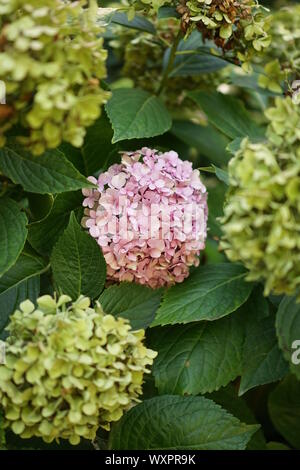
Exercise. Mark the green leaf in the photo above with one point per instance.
(284, 409)
(212, 254)
(216, 198)
(135, 113)
(13, 232)
(272, 445)
(167, 12)
(74, 155)
(97, 145)
(288, 332)
(133, 301)
(206, 139)
(204, 356)
(222, 175)
(181, 423)
(227, 113)
(2, 433)
(77, 262)
(20, 282)
(194, 57)
(43, 235)
(11, 299)
(234, 145)
(187, 65)
(139, 22)
(263, 361)
(211, 292)
(48, 173)
(40, 205)
(227, 397)
(197, 357)
(26, 267)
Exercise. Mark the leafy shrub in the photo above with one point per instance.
(149, 224)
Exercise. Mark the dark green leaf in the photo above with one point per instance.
(11, 299)
(25, 268)
(197, 357)
(135, 113)
(48, 173)
(2, 434)
(234, 145)
(194, 57)
(222, 175)
(13, 232)
(288, 332)
(263, 361)
(139, 22)
(216, 197)
(272, 445)
(206, 139)
(40, 205)
(74, 155)
(284, 409)
(167, 12)
(227, 397)
(171, 422)
(194, 63)
(43, 235)
(77, 262)
(211, 292)
(133, 301)
(97, 145)
(227, 113)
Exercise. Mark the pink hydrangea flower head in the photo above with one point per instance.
(149, 216)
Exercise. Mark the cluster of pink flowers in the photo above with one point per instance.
(149, 216)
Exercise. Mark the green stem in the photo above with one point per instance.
(169, 67)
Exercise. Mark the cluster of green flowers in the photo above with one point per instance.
(239, 26)
(261, 220)
(283, 55)
(69, 369)
(51, 60)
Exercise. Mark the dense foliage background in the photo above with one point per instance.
(225, 376)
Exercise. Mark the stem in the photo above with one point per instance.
(169, 67)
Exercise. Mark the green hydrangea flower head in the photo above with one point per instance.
(284, 127)
(283, 56)
(51, 61)
(261, 222)
(70, 368)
